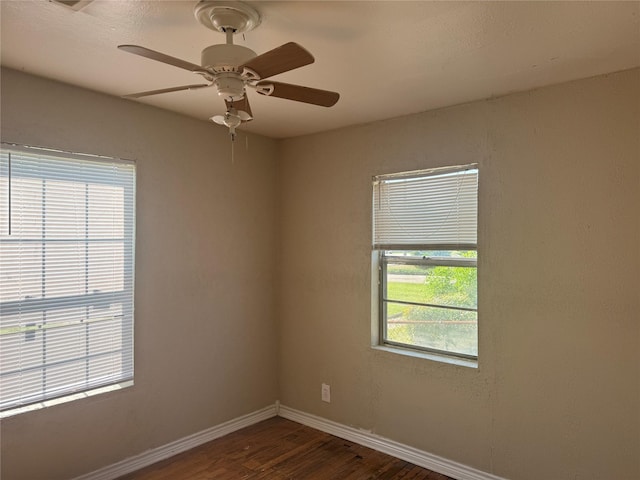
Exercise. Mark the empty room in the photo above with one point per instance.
(319, 240)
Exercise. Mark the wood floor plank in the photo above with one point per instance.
(279, 449)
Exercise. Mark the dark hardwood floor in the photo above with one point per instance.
(279, 449)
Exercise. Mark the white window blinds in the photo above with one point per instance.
(67, 273)
(434, 209)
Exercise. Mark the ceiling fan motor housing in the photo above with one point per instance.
(225, 60)
(226, 57)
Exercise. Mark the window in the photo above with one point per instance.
(425, 240)
(66, 274)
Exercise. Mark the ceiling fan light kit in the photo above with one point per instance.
(232, 68)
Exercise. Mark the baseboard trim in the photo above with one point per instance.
(361, 437)
(154, 455)
(381, 444)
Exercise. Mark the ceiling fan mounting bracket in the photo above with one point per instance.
(265, 89)
(250, 75)
(220, 16)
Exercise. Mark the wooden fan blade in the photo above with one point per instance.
(324, 98)
(241, 106)
(165, 90)
(161, 57)
(282, 59)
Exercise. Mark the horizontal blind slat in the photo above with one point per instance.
(436, 209)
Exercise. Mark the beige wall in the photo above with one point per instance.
(557, 394)
(205, 338)
(557, 391)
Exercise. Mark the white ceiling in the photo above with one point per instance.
(385, 58)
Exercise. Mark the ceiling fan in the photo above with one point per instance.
(231, 68)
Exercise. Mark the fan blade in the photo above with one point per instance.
(324, 98)
(241, 106)
(282, 59)
(165, 90)
(161, 57)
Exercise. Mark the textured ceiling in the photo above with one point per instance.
(386, 58)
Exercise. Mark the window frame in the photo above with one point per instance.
(465, 262)
(408, 242)
(92, 383)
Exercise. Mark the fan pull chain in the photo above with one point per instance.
(233, 142)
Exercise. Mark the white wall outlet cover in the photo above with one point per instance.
(326, 393)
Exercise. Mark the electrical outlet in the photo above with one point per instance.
(326, 393)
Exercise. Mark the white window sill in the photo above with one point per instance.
(65, 399)
(461, 362)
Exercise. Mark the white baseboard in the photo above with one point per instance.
(361, 437)
(381, 444)
(170, 449)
